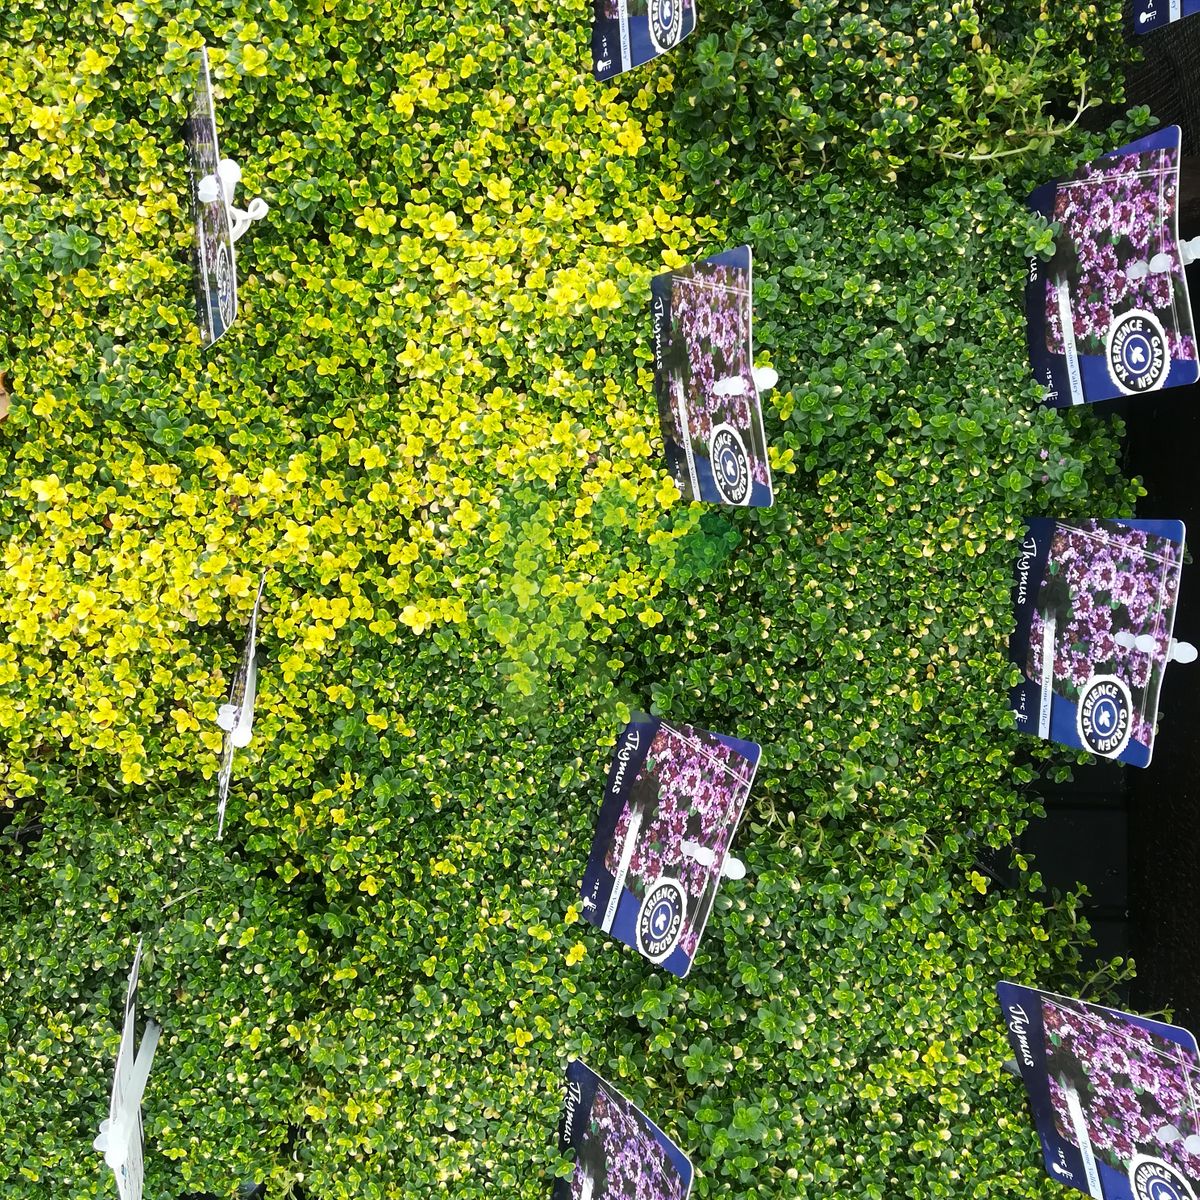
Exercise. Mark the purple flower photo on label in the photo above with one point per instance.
(704, 381)
(1111, 592)
(619, 1153)
(1137, 1091)
(710, 320)
(621, 1158)
(1117, 231)
(690, 792)
(215, 280)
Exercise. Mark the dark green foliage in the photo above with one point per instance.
(882, 88)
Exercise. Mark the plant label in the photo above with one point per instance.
(672, 803)
(1095, 612)
(627, 33)
(120, 1136)
(1154, 14)
(215, 262)
(706, 384)
(1114, 1096)
(236, 716)
(619, 1152)
(1109, 315)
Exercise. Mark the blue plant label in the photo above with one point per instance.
(1154, 14)
(708, 401)
(1095, 608)
(1109, 315)
(1114, 1096)
(672, 803)
(627, 33)
(620, 1154)
(215, 275)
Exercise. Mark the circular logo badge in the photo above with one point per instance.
(1137, 354)
(225, 286)
(660, 919)
(1153, 1179)
(1103, 719)
(666, 23)
(730, 464)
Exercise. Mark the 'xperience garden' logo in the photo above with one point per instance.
(1153, 1179)
(1137, 353)
(1104, 718)
(666, 23)
(660, 919)
(730, 465)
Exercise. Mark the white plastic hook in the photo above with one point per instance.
(1163, 263)
(212, 187)
(1145, 643)
(115, 1139)
(237, 720)
(731, 385)
(765, 378)
(706, 856)
(733, 868)
(1170, 1134)
(1181, 652)
(120, 1136)
(243, 218)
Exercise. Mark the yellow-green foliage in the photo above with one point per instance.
(425, 418)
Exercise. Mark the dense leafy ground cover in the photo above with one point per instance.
(433, 424)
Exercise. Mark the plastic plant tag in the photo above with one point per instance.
(705, 382)
(620, 1154)
(215, 261)
(1114, 1096)
(120, 1136)
(1095, 610)
(1154, 14)
(672, 803)
(627, 33)
(236, 717)
(1110, 315)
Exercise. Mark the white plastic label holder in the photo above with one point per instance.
(223, 186)
(1160, 264)
(731, 868)
(1181, 652)
(765, 378)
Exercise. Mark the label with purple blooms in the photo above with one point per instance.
(1115, 1097)
(1109, 315)
(1154, 14)
(619, 1152)
(708, 402)
(672, 803)
(215, 278)
(1095, 613)
(627, 33)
